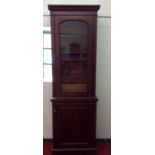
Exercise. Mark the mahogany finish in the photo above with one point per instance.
(74, 75)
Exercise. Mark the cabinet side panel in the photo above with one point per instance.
(93, 34)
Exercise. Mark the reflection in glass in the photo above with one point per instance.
(73, 56)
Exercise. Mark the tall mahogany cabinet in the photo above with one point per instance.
(73, 29)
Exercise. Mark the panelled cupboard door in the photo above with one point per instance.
(73, 55)
(74, 125)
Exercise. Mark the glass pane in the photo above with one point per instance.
(47, 40)
(73, 56)
(47, 73)
(47, 56)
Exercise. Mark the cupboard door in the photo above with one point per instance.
(72, 54)
(74, 125)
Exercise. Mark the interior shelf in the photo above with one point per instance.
(73, 53)
(72, 59)
(78, 35)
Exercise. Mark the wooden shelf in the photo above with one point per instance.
(73, 35)
(73, 53)
(72, 59)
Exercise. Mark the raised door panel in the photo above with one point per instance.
(74, 125)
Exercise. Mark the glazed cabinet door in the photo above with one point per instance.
(72, 55)
(74, 125)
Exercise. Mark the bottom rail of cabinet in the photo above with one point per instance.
(75, 151)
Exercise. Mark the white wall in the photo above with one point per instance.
(103, 76)
(47, 110)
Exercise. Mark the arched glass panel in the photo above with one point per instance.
(73, 56)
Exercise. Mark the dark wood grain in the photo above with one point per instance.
(91, 20)
(73, 8)
(74, 112)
